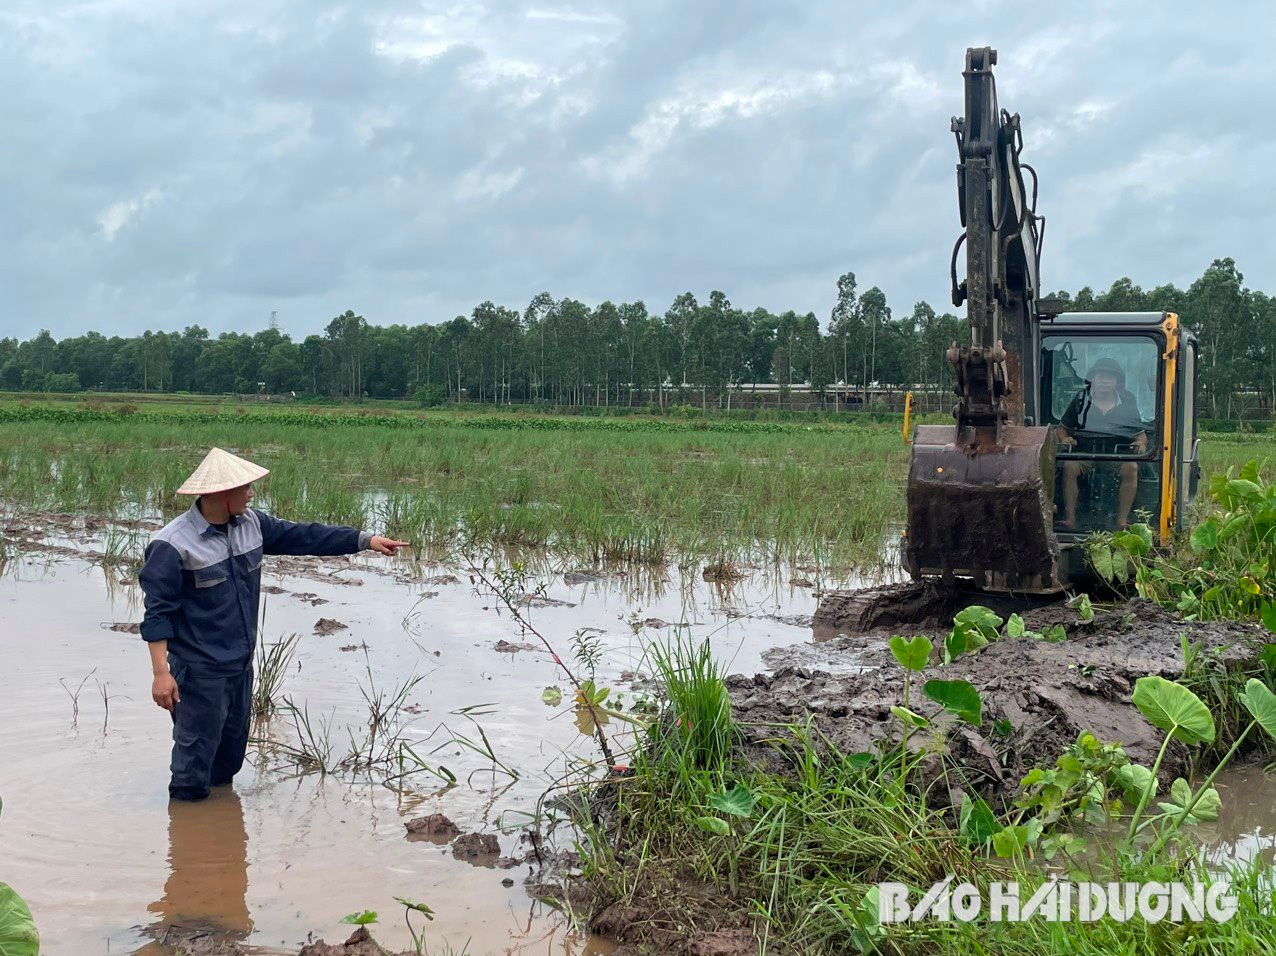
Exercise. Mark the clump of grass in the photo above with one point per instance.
(271, 662)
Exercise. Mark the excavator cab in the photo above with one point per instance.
(1118, 389)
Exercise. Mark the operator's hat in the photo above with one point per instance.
(221, 471)
(1110, 366)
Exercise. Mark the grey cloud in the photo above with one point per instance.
(412, 159)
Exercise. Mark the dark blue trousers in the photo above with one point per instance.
(210, 728)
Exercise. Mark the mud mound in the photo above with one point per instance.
(1047, 692)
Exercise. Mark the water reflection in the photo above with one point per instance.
(206, 891)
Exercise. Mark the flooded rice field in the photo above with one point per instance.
(107, 865)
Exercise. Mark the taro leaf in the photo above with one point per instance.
(913, 654)
(737, 801)
(419, 907)
(713, 825)
(1206, 809)
(1205, 535)
(552, 696)
(1232, 526)
(978, 825)
(958, 697)
(1085, 610)
(955, 645)
(868, 919)
(1131, 544)
(1269, 615)
(18, 935)
(1003, 727)
(1174, 709)
(1100, 556)
(1249, 585)
(1015, 626)
(1261, 704)
(1133, 778)
(360, 919)
(1010, 841)
(1249, 470)
(861, 760)
(980, 618)
(1245, 489)
(908, 717)
(1268, 657)
(1055, 634)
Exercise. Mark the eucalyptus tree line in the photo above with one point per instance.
(566, 351)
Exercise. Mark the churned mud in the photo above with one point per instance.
(1045, 693)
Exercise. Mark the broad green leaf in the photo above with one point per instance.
(1174, 709)
(1015, 626)
(1268, 657)
(1269, 615)
(958, 697)
(737, 801)
(552, 696)
(1249, 585)
(1131, 543)
(1244, 489)
(1055, 634)
(977, 821)
(1010, 841)
(1205, 536)
(955, 645)
(868, 919)
(419, 907)
(913, 654)
(908, 717)
(861, 760)
(1206, 809)
(1085, 610)
(18, 935)
(713, 825)
(365, 918)
(1134, 778)
(982, 619)
(1232, 526)
(1261, 704)
(1249, 470)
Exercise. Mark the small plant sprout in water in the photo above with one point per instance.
(75, 695)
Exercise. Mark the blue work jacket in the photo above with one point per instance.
(202, 585)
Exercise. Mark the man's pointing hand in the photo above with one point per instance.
(386, 545)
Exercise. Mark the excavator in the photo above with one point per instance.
(1066, 423)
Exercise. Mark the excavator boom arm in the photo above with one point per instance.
(980, 491)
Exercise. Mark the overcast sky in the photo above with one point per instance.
(172, 162)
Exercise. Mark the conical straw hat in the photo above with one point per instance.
(221, 471)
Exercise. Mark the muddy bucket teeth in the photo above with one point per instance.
(986, 515)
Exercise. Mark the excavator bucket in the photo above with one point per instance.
(983, 510)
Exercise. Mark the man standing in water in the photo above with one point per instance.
(202, 581)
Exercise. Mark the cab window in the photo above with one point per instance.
(1102, 391)
(1099, 393)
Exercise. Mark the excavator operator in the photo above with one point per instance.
(1102, 415)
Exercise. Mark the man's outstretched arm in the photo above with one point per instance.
(290, 537)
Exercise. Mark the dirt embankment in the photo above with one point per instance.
(1040, 695)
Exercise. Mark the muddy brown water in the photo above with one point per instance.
(88, 836)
